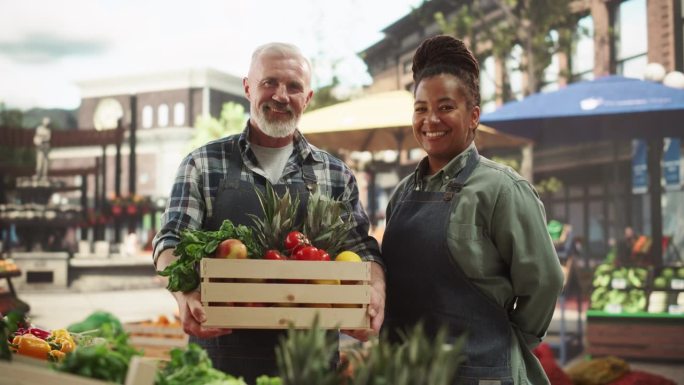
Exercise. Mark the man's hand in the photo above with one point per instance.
(190, 309)
(376, 309)
(192, 316)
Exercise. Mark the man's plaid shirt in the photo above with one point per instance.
(200, 173)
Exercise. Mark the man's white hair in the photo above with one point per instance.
(282, 49)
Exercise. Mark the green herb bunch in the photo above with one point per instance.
(197, 244)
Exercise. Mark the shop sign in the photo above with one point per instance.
(639, 166)
(671, 163)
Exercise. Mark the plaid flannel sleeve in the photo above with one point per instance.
(185, 209)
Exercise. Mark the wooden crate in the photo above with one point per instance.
(155, 340)
(28, 371)
(265, 294)
(645, 337)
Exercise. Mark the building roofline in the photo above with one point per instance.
(161, 81)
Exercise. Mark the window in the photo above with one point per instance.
(582, 59)
(631, 38)
(488, 84)
(515, 75)
(163, 115)
(179, 114)
(147, 116)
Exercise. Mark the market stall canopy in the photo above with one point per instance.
(380, 121)
(608, 108)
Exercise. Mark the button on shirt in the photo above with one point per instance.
(497, 235)
(200, 173)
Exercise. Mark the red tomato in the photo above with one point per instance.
(274, 255)
(296, 249)
(294, 239)
(323, 255)
(307, 253)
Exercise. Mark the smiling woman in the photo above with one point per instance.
(483, 242)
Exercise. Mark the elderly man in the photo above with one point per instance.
(216, 182)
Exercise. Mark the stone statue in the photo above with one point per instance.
(42, 141)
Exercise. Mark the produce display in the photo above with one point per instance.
(638, 289)
(619, 289)
(8, 266)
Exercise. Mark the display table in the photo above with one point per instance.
(637, 335)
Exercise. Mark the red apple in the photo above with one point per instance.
(231, 249)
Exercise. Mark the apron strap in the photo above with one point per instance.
(234, 166)
(456, 185)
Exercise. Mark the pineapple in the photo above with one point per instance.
(304, 356)
(324, 225)
(279, 219)
(418, 360)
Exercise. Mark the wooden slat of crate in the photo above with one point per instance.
(281, 317)
(285, 293)
(265, 269)
(19, 371)
(638, 339)
(288, 300)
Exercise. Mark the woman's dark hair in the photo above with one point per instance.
(447, 55)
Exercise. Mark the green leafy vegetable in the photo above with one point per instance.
(197, 244)
(107, 360)
(192, 366)
(8, 325)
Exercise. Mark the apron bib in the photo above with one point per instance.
(424, 283)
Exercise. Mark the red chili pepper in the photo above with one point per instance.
(40, 333)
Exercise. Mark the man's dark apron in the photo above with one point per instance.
(425, 284)
(247, 353)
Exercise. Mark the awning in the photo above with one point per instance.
(380, 121)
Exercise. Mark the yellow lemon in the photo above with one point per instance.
(348, 256)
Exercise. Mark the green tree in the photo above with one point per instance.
(10, 117)
(208, 128)
(496, 28)
(325, 96)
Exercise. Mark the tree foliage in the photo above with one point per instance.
(208, 128)
(541, 27)
(326, 96)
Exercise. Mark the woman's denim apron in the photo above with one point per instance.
(247, 353)
(425, 283)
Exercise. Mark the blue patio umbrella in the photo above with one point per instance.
(608, 108)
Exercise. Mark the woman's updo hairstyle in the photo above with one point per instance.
(447, 55)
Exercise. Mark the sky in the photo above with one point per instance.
(47, 46)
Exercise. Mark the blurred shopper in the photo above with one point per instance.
(216, 182)
(466, 243)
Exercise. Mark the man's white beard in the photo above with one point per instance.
(276, 129)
